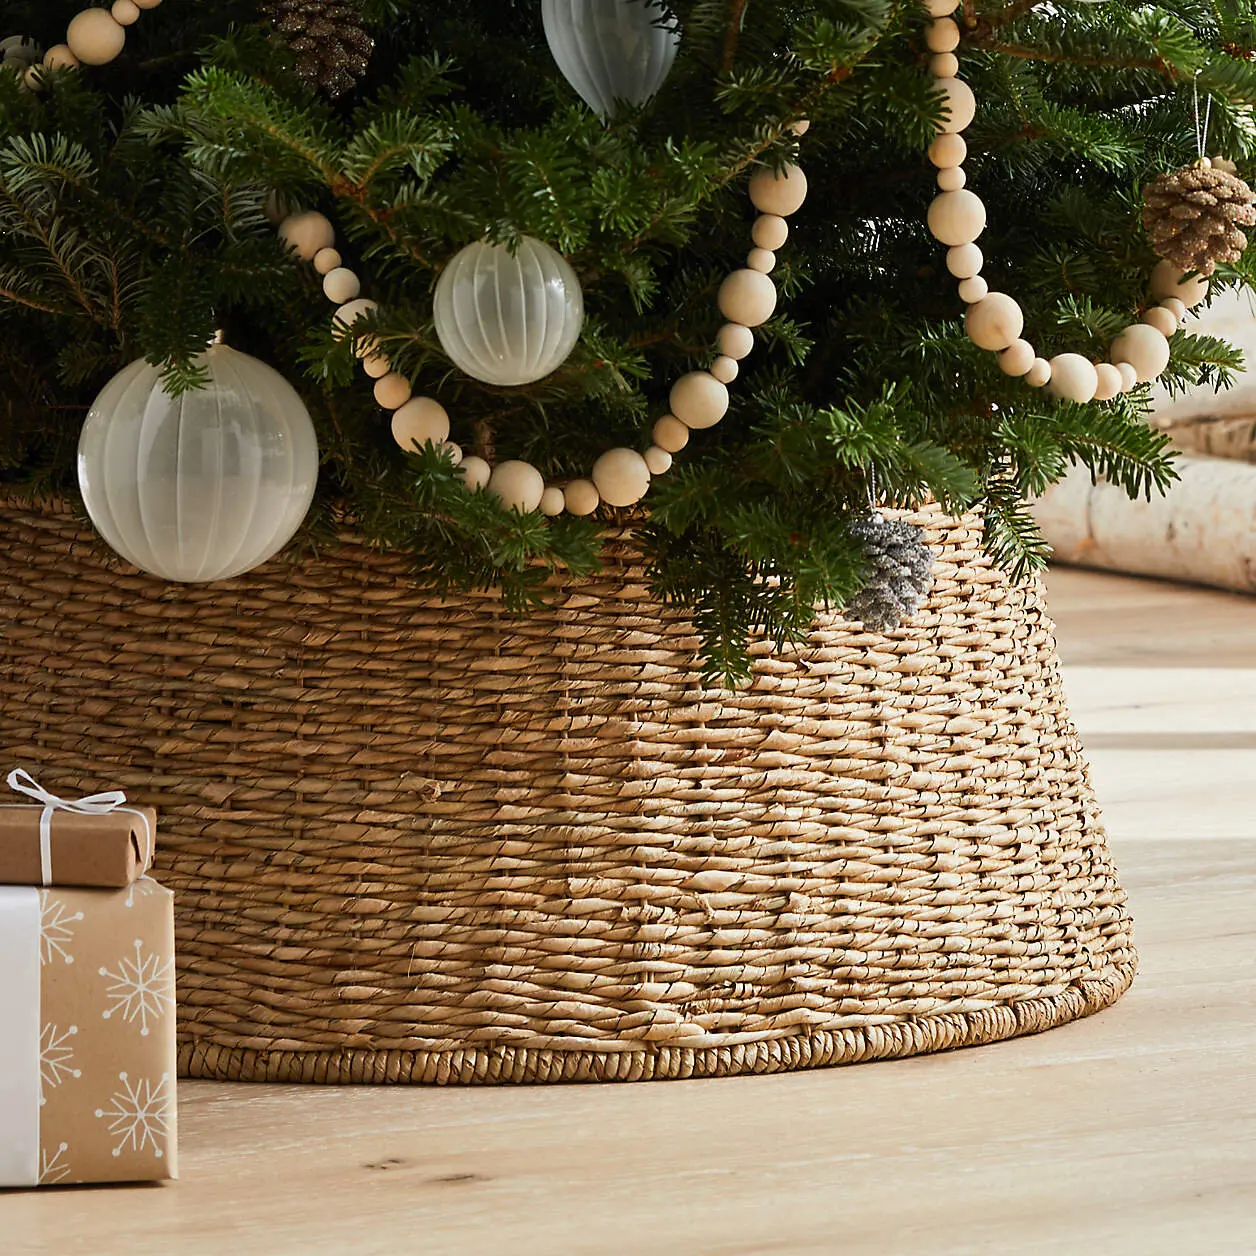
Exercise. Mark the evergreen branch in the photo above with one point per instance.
(732, 34)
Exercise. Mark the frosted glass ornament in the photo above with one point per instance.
(203, 486)
(611, 51)
(508, 318)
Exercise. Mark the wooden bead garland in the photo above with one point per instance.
(957, 217)
(94, 37)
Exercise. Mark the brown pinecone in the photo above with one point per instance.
(331, 47)
(1194, 216)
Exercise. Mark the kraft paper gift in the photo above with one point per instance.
(93, 841)
(87, 1052)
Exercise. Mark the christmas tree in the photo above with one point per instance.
(139, 196)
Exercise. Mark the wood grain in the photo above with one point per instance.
(1131, 1133)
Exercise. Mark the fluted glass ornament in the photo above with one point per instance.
(611, 51)
(203, 486)
(509, 318)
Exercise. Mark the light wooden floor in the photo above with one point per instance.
(1131, 1134)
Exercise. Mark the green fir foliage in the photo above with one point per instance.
(134, 221)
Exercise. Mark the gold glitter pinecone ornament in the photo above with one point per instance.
(1194, 216)
(331, 46)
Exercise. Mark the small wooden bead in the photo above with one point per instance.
(1110, 384)
(1073, 378)
(725, 369)
(581, 497)
(994, 322)
(762, 260)
(125, 12)
(307, 234)
(1168, 281)
(326, 260)
(553, 502)
(770, 231)
(1175, 307)
(941, 8)
(519, 486)
(952, 178)
(671, 434)
(735, 341)
(1018, 358)
(94, 37)
(957, 217)
(1038, 375)
(944, 65)
(451, 451)
(748, 297)
(782, 193)
(1144, 348)
(964, 261)
(800, 126)
(475, 472)
(60, 57)
(959, 107)
(148, 4)
(420, 420)
(1162, 320)
(948, 150)
(622, 477)
(1129, 376)
(376, 366)
(942, 35)
(341, 285)
(658, 460)
(392, 391)
(973, 290)
(698, 400)
(34, 77)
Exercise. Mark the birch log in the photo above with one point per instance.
(1203, 532)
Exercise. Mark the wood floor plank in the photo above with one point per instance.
(1130, 1134)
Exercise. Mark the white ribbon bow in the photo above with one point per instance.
(93, 805)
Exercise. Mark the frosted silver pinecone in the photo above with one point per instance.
(900, 573)
(327, 38)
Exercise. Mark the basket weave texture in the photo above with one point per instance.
(420, 841)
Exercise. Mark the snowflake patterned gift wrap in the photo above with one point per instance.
(87, 1045)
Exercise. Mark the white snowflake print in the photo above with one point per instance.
(56, 1058)
(140, 989)
(138, 1116)
(56, 929)
(54, 1168)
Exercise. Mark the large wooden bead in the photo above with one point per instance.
(60, 57)
(965, 261)
(581, 497)
(307, 234)
(948, 150)
(420, 420)
(770, 231)
(960, 106)
(994, 322)
(392, 391)
(747, 297)
(517, 485)
(671, 434)
(1164, 321)
(942, 35)
(1144, 348)
(341, 285)
(552, 502)
(781, 194)
(94, 37)
(348, 314)
(1168, 281)
(698, 400)
(621, 476)
(1110, 381)
(475, 472)
(1073, 378)
(735, 341)
(941, 8)
(1017, 358)
(957, 217)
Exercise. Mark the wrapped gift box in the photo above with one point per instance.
(87, 1052)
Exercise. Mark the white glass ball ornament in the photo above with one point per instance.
(517, 485)
(203, 486)
(621, 477)
(611, 51)
(508, 318)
